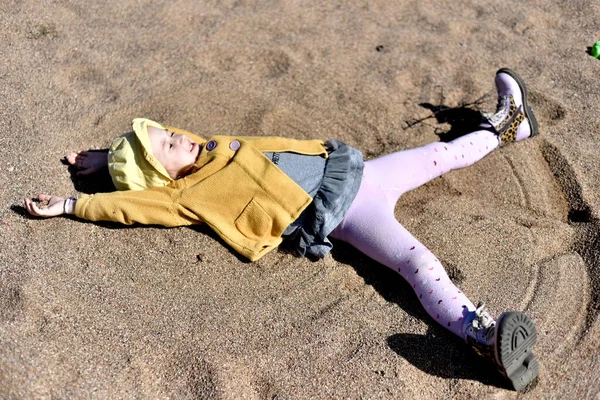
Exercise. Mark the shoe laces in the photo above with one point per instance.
(482, 320)
(502, 108)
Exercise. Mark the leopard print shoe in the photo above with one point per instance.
(513, 120)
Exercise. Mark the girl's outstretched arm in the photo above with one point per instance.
(154, 206)
(56, 206)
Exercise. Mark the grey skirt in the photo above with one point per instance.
(307, 236)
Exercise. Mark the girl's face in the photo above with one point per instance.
(176, 152)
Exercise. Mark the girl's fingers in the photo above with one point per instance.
(71, 158)
(29, 205)
(40, 211)
(85, 171)
(26, 201)
(36, 210)
(54, 207)
(77, 159)
(29, 209)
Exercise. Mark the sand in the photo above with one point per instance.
(102, 311)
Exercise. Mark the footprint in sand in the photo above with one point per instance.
(547, 109)
(11, 302)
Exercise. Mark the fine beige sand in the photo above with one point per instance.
(104, 311)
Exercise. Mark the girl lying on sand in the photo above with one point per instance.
(257, 191)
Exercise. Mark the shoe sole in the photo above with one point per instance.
(516, 337)
(533, 125)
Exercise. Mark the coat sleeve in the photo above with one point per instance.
(156, 206)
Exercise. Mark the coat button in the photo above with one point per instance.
(211, 145)
(234, 145)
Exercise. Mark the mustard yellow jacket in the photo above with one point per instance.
(236, 190)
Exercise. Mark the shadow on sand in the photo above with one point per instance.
(438, 352)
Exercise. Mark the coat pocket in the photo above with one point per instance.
(254, 222)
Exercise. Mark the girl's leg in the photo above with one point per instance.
(374, 230)
(399, 172)
(371, 227)
(514, 120)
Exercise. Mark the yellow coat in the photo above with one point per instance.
(236, 190)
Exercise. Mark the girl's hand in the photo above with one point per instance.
(88, 162)
(55, 206)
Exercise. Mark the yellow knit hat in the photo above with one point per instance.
(131, 163)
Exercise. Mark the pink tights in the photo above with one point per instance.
(371, 227)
